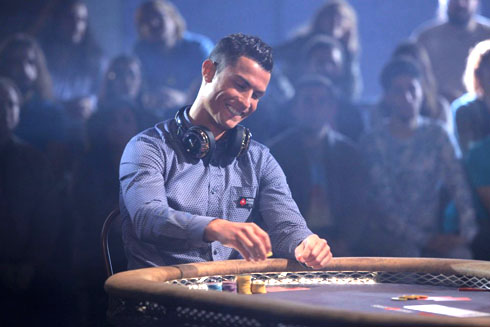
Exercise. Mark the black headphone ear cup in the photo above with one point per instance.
(198, 141)
(238, 141)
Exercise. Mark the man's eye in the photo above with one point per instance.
(240, 86)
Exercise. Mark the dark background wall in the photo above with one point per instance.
(382, 24)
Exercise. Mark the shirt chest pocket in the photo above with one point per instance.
(242, 201)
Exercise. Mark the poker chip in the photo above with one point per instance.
(244, 284)
(410, 297)
(215, 286)
(258, 287)
(229, 286)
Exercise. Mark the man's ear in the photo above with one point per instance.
(208, 70)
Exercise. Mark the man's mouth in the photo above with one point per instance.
(233, 111)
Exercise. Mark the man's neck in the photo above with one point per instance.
(402, 129)
(468, 26)
(198, 115)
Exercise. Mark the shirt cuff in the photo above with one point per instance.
(295, 241)
(195, 230)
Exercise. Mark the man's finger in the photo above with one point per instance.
(246, 244)
(299, 251)
(318, 247)
(315, 261)
(323, 252)
(306, 250)
(258, 248)
(265, 240)
(324, 262)
(243, 251)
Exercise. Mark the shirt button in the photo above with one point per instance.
(215, 252)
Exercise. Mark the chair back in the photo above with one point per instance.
(111, 220)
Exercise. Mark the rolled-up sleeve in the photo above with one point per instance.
(143, 192)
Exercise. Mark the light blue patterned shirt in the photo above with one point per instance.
(406, 180)
(167, 199)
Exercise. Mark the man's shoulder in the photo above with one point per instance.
(257, 148)
(470, 108)
(198, 40)
(160, 134)
(429, 29)
(483, 23)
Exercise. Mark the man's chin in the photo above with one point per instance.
(459, 20)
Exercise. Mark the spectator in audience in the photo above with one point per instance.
(322, 167)
(21, 16)
(29, 218)
(337, 19)
(409, 158)
(324, 55)
(472, 110)
(434, 106)
(123, 81)
(96, 193)
(22, 60)
(74, 58)
(448, 41)
(171, 57)
(478, 168)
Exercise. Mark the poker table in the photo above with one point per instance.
(349, 292)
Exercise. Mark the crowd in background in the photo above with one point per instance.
(408, 175)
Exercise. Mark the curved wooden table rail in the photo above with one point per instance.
(149, 284)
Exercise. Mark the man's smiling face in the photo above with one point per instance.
(232, 94)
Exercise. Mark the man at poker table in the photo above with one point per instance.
(198, 188)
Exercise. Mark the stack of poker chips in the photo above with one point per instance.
(258, 287)
(244, 284)
(229, 286)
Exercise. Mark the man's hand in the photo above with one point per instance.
(313, 252)
(247, 238)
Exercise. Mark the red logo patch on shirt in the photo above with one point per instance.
(245, 202)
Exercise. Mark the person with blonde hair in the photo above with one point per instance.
(448, 39)
(473, 116)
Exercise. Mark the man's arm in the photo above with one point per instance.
(287, 228)
(144, 196)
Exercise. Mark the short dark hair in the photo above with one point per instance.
(321, 42)
(397, 67)
(310, 80)
(234, 46)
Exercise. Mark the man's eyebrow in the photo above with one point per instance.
(259, 93)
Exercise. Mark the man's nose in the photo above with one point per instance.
(246, 99)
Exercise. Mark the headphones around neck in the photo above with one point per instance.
(199, 142)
